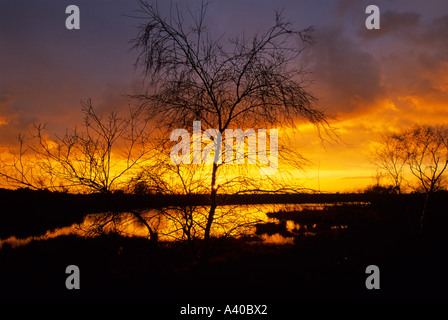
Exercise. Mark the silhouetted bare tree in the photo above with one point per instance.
(96, 158)
(391, 159)
(427, 154)
(255, 82)
(19, 167)
(424, 151)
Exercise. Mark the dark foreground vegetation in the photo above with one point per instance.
(330, 263)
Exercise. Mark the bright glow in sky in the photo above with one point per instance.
(371, 81)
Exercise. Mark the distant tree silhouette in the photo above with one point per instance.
(390, 159)
(427, 154)
(95, 157)
(424, 151)
(255, 82)
(19, 167)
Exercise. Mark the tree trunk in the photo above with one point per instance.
(213, 203)
(425, 205)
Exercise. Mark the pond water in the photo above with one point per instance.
(177, 224)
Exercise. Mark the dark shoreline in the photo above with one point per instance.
(32, 213)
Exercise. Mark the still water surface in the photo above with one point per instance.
(233, 220)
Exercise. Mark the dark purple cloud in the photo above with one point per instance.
(347, 77)
(45, 69)
(392, 22)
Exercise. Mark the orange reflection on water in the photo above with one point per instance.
(17, 242)
(277, 239)
(231, 220)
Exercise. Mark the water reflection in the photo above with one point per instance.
(16, 242)
(186, 223)
(277, 239)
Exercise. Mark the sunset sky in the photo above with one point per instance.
(370, 81)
